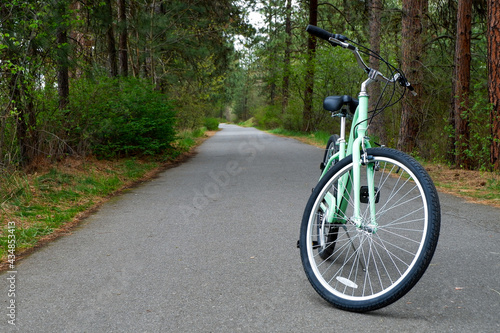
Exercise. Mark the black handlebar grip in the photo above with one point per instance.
(318, 32)
(323, 34)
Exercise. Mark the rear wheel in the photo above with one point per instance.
(327, 234)
(360, 268)
(331, 149)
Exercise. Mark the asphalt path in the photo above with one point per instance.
(210, 246)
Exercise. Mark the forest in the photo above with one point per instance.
(113, 78)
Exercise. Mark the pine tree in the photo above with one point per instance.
(462, 82)
(311, 51)
(494, 78)
(413, 23)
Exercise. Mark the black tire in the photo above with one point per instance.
(328, 234)
(331, 148)
(370, 269)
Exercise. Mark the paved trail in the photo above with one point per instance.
(209, 246)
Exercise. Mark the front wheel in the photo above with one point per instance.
(366, 269)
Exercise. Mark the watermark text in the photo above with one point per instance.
(11, 274)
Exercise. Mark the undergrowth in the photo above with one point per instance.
(317, 138)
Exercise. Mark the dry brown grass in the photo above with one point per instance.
(474, 186)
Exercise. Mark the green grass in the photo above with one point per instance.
(318, 138)
(493, 187)
(248, 123)
(188, 138)
(42, 202)
(494, 184)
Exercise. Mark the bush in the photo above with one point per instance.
(268, 116)
(125, 117)
(212, 124)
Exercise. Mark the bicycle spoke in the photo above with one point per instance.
(365, 264)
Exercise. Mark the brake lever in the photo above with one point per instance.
(412, 90)
(333, 43)
(403, 82)
(341, 42)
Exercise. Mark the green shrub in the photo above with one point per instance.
(212, 124)
(292, 119)
(269, 116)
(124, 117)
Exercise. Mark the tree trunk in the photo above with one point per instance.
(26, 130)
(63, 73)
(272, 49)
(414, 12)
(122, 43)
(494, 79)
(62, 59)
(462, 82)
(110, 34)
(311, 50)
(286, 61)
(377, 125)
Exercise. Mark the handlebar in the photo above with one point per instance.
(323, 34)
(334, 39)
(341, 40)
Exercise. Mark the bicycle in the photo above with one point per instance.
(371, 224)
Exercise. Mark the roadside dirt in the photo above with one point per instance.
(474, 186)
(74, 166)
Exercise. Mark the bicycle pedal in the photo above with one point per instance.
(364, 195)
(298, 244)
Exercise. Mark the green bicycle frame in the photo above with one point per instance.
(356, 146)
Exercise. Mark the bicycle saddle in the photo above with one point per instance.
(335, 103)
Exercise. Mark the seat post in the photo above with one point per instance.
(343, 116)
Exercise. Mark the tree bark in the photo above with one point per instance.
(123, 41)
(311, 50)
(63, 71)
(414, 12)
(272, 49)
(26, 130)
(462, 82)
(494, 79)
(377, 125)
(62, 58)
(286, 61)
(110, 34)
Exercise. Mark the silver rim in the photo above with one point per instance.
(369, 265)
